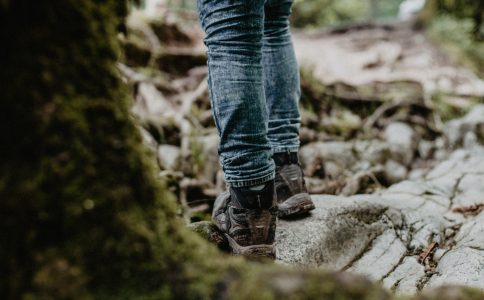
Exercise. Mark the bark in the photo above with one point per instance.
(82, 215)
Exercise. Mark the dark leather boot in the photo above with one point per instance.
(248, 219)
(292, 196)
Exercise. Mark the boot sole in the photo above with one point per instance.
(303, 205)
(262, 250)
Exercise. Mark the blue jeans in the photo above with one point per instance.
(253, 84)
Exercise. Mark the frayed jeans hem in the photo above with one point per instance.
(251, 182)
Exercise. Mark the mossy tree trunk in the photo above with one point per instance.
(81, 211)
(82, 215)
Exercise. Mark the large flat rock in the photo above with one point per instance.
(412, 236)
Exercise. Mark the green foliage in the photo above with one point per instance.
(388, 8)
(317, 13)
(456, 36)
(460, 9)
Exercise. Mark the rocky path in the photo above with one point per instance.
(414, 235)
(419, 233)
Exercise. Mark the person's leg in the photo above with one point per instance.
(234, 31)
(282, 90)
(281, 78)
(247, 212)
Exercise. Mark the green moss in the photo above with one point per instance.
(77, 189)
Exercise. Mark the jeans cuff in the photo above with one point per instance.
(285, 149)
(251, 182)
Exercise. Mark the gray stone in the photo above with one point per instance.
(461, 266)
(209, 156)
(466, 130)
(403, 141)
(438, 254)
(394, 172)
(151, 105)
(470, 190)
(425, 149)
(417, 174)
(148, 140)
(386, 252)
(382, 235)
(405, 278)
(169, 157)
(336, 233)
(471, 234)
(361, 180)
(336, 156)
(373, 151)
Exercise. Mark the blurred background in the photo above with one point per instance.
(387, 87)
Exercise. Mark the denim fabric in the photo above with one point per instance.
(253, 84)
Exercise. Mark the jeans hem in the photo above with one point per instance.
(285, 149)
(251, 182)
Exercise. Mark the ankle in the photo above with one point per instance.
(254, 197)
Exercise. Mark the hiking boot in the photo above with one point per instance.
(292, 196)
(247, 217)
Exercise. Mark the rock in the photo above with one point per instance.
(416, 174)
(209, 231)
(382, 235)
(373, 151)
(307, 135)
(386, 251)
(333, 236)
(461, 266)
(438, 254)
(425, 149)
(148, 140)
(337, 157)
(402, 140)
(341, 122)
(469, 191)
(323, 186)
(405, 278)
(394, 172)
(308, 118)
(360, 90)
(151, 105)
(457, 131)
(470, 140)
(209, 156)
(220, 183)
(169, 157)
(362, 180)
